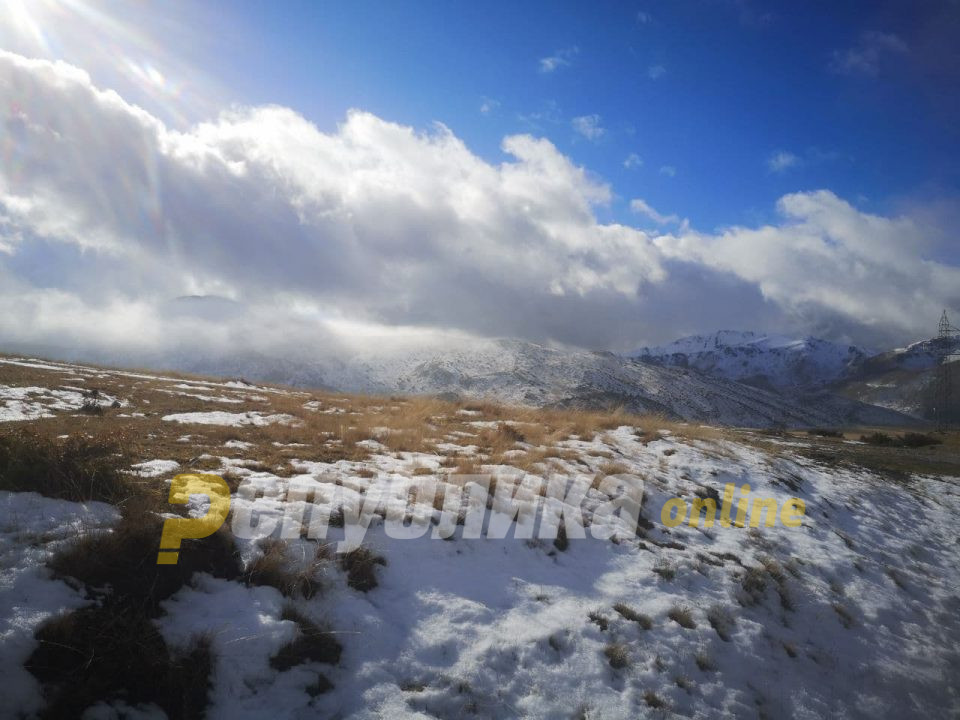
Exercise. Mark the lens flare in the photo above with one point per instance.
(137, 49)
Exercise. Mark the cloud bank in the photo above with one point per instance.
(281, 235)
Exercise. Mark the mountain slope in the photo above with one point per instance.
(523, 373)
(905, 379)
(771, 361)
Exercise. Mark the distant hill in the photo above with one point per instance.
(763, 360)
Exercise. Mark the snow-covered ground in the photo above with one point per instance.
(856, 616)
(855, 613)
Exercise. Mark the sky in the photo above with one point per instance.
(605, 175)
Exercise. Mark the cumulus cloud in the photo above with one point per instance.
(589, 126)
(831, 266)
(257, 230)
(655, 72)
(668, 170)
(632, 161)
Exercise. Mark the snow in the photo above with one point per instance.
(218, 417)
(781, 361)
(31, 403)
(155, 468)
(31, 528)
(238, 445)
(500, 628)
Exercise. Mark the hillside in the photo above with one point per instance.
(905, 379)
(365, 572)
(770, 361)
(525, 373)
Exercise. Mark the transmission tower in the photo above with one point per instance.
(944, 390)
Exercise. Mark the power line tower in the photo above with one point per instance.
(944, 390)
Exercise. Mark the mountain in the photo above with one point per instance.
(763, 360)
(525, 373)
(905, 379)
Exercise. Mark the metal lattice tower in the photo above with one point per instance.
(944, 390)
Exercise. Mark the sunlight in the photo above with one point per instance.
(119, 44)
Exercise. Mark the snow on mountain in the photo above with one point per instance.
(524, 373)
(760, 359)
(905, 379)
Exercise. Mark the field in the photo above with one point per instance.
(362, 573)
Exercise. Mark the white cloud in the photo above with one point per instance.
(644, 17)
(668, 170)
(107, 216)
(830, 265)
(782, 161)
(655, 72)
(561, 58)
(632, 161)
(643, 208)
(589, 126)
(489, 105)
(867, 55)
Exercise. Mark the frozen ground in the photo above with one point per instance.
(853, 614)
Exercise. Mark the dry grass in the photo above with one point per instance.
(617, 655)
(311, 644)
(78, 467)
(326, 427)
(112, 650)
(682, 616)
(845, 616)
(704, 661)
(628, 613)
(360, 566)
(109, 653)
(653, 700)
(120, 565)
(599, 620)
(292, 577)
(722, 621)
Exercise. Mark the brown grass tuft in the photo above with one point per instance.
(360, 566)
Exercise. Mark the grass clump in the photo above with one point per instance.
(77, 468)
(704, 661)
(665, 569)
(109, 653)
(617, 655)
(653, 700)
(845, 616)
(721, 620)
(120, 565)
(599, 620)
(360, 566)
(825, 432)
(311, 644)
(877, 438)
(915, 440)
(628, 613)
(275, 568)
(682, 616)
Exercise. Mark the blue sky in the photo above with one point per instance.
(711, 88)
(606, 175)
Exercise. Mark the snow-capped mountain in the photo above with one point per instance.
(771, 361)
(524, 373)
(905, 379)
